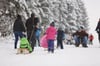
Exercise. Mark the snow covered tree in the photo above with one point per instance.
(69, 14)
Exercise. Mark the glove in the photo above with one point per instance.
(24, 33)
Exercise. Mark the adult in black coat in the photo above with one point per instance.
(60, 37)
(18, 29)
(31, 26)
(98, 29)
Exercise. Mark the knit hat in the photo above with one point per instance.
(32, 15)
(81, 27)
(52, 24)
(19, 16)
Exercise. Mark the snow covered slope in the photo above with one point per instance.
(69, 56)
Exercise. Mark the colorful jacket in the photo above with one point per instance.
(51, 32)
(25, 44)
(91, 37)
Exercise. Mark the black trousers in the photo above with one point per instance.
(31, 38)
(99, 37)
(60, 43)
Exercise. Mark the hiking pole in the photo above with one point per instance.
(31, 35)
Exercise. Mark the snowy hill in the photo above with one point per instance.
(69, 56)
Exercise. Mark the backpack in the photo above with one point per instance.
(38, 32)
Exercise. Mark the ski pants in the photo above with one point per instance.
(51, 46)
(18, 34)
(31, 38)
(60, 43)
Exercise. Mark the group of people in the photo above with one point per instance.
(33, 31)
(31, 27)
(81, 37)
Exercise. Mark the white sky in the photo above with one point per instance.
(93, 11)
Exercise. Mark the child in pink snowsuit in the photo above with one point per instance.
(51, 33)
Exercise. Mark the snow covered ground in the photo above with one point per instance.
(69, 56)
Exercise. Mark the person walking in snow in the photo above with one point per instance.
(38, 33)
(60, 37)
(18, 29)
(51, 34)
(98, 30)
(31, 26)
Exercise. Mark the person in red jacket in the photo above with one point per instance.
(91, 37)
